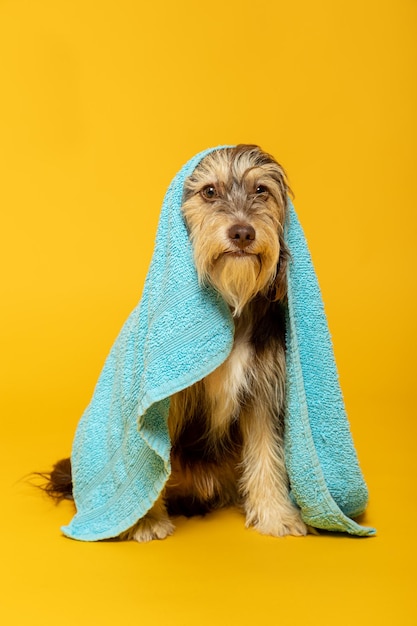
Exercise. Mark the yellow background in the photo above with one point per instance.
(101, 103)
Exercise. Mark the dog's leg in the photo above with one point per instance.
(154, 525)
(264, 481)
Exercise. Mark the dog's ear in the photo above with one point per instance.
(278, 289)
(279, 286)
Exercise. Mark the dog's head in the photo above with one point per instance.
(234, 206)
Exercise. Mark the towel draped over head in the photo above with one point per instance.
(179, 333)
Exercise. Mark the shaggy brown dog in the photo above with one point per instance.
(227, 429)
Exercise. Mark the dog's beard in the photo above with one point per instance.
(236, 278)
(239, 278)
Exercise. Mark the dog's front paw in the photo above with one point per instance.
(280, 524)
(283, 527)
(148, 528)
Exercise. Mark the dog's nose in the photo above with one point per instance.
(242, 235)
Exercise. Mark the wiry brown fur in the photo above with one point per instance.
(227, 429)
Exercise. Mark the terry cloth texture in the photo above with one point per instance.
(177, 335)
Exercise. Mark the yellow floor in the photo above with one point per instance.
(212, 570)
(101, 102)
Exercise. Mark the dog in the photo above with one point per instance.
(227, 429)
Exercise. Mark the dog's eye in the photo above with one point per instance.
(261, 189)
(209, 192)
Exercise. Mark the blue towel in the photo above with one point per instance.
(178, 334)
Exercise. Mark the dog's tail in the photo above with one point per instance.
(58, 483)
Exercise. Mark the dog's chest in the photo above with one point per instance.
(229, 384)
